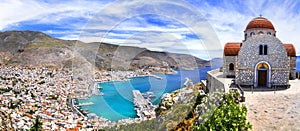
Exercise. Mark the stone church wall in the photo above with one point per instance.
(249, 57)
(256, 31)
(293, 67)
(245, 77)
(280, 77)
(227, 60)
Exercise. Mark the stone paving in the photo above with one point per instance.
(280, 110)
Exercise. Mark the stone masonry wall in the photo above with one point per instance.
(280, 77)
(213, 82)
(293, 67)
(245, 77)
(257, 30)
(249, 56)
(227, 60)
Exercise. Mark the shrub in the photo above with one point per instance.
(228, 116)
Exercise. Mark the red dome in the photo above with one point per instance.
(260, 22)
(232, 48)
(290, 50)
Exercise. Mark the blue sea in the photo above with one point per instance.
(117, 102)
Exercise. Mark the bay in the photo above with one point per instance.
(117, 102)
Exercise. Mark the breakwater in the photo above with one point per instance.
(144, 108)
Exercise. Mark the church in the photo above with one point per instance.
(261, 59)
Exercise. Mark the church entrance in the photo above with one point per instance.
(262, 74)
(262, 78)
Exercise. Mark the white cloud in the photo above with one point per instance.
(16, 11)
(130, 27)
(229, 22)
(128, 16)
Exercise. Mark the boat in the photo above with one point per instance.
(187, 80)
(101, 94)
(85, 104)
(157, 77)
(151, 96)
(148, 95)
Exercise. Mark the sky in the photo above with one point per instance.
(196, 27)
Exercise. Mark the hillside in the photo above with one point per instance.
(31, 48)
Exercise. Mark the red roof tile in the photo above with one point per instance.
(232, 48)
(290, 50)
(260, 22)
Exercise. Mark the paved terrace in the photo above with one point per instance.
(269, 109)
(275, 110)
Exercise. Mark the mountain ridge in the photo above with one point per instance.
(34, 48)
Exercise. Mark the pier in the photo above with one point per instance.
(74, 108)
(85, 104)
(157, 77)
(144, 108)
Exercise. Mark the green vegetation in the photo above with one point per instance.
(6, 123)
(31, 112)
(37, 125)
(46, 42)
(228, 116)
(41, 82)
(53, 97)
(3, 90)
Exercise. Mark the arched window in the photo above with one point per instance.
(260, 49)
(274, 34)
(269, 33)
(260, 33)
(245, 36)
(231, 66)
(265, 49)
(251, 34)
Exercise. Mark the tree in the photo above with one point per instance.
(37, 125)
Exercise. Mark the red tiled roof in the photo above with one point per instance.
(260, 22)
(290, 50)
(232, 48)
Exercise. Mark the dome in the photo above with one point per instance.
(260, 22)
(232, 48)
(290, 50)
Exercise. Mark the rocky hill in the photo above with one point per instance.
(32, 48)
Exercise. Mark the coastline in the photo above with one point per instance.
(119, 76)
(133, 120)
(57, 91)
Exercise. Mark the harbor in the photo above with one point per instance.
(119, 98)
(144, 108)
